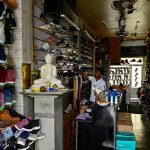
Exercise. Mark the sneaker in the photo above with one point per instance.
(46, 27)
(45, 46)
(21, 124)
(2, 54)
(2, 35)
(10, 22)
(21, 140)
(1, 98)
(6, 134)
(108, 144)
(11, 144)
(13, 113)
(36, 135)
(21, 147)
(7, 95)
(33, 125)
(5, 116)
(11, 75)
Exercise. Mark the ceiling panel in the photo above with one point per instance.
(95, 12)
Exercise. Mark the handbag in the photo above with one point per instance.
(12, 4)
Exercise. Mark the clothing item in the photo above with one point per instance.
(97, 84)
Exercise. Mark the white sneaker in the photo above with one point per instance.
(108, 144)
(45, 46)
(46, 27)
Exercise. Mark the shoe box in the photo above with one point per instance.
(124, 122)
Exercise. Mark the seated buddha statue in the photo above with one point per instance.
(48, 73)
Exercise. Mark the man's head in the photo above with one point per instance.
(99, 71)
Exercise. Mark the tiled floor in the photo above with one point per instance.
(141, 130)
(141, 127)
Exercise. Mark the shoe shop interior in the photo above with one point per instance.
(74, 74)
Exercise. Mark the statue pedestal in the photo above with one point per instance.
(48, 107)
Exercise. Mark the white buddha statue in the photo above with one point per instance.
(48, 73)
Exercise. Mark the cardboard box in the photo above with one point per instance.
(123, 116)
(124, 125)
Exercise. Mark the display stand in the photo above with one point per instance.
(48, 108)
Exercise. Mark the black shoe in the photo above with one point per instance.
(19, 147)
(2, 8)
(13, 113)
(10, 21)
(9, 39)
(2, 54)
(33, 125)
(11, 144)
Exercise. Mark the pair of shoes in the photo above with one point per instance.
(5, 116)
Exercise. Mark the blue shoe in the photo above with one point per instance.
(6, 134)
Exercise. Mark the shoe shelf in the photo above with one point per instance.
(57, 39)
(86, 53)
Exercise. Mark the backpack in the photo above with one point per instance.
(10, 75)
(2, 75)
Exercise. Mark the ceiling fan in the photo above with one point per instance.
(122, 4)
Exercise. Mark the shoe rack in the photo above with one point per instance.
(86, 54)
(54, 35)
(119, 74)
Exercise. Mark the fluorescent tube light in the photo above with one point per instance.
(69, 21)
(89, 36)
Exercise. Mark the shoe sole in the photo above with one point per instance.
(24, 148)
(24, 129)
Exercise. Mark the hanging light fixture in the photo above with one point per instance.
(122, 21)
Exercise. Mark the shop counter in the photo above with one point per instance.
(48, 108)
(100, 127)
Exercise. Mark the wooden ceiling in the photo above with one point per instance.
(103, 19)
